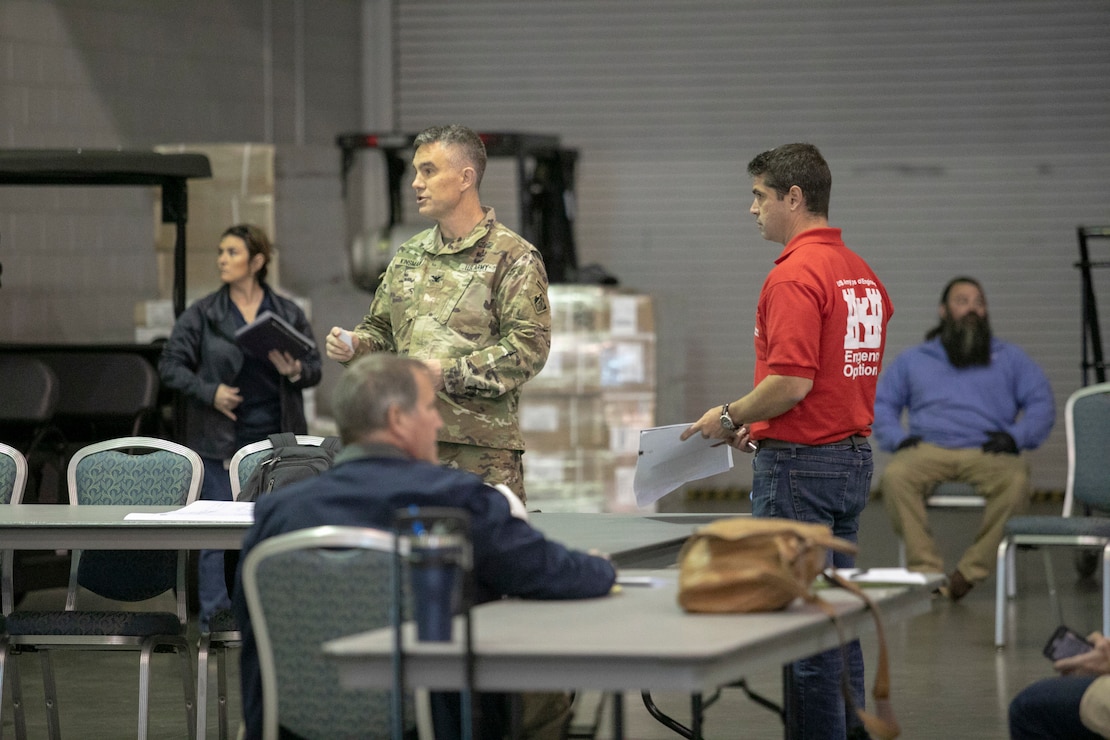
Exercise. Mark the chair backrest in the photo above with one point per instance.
(13, 479)
(13, 474)
(104, 393)
(133, 471)
(1087, 422)
(248, 457)
(306, 587)
(28, 396)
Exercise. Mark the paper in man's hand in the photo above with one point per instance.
(665, 462)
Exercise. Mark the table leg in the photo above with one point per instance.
(690, 733)
(789, 711)
(618, 715)
(516, 716)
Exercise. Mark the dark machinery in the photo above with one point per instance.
(1092, 337)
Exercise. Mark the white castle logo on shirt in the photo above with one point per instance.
(865, 319)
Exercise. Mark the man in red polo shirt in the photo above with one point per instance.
(820, 332)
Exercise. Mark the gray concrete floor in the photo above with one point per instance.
(948, 679)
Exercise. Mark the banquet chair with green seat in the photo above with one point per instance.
(223, 633)
(306, 587)
(129, 471)
(247, 459)
(1087, 424)
(13, 479)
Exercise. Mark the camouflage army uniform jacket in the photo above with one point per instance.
(479, 305)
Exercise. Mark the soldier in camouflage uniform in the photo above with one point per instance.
(469, 298)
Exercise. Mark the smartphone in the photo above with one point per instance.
(1065, 643)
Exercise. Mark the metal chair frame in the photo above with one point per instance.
(219, 641)
(1086, 532)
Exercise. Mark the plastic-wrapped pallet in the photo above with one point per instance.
(582, 414)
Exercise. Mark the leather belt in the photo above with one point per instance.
(853, 441)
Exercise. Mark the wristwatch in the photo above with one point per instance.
(726, 420)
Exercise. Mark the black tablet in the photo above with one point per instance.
(269, 331)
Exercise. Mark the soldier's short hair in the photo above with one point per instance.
(464, 143)
(369, 387)
(796, 164)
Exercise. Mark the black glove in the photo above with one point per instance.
(907, 443)
(1000, 443)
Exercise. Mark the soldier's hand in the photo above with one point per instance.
(336, 346)
(435, 368)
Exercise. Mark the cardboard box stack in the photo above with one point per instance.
(582, 414)
(241, 190)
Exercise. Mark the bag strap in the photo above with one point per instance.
(283, 439)
(881, 723)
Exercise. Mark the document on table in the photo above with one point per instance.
(203, 511)
(665, 462)
(883, 576)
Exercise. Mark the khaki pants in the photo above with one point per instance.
(909, 477)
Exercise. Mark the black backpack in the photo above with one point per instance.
(289, 463)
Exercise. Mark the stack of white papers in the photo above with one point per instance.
(883, 576)
(665, 462)
(203, 511)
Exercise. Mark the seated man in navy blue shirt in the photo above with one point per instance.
(385, 408)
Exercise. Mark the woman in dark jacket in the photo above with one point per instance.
(231, 398)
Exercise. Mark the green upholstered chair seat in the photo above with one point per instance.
(1059, 526)
(93, 623)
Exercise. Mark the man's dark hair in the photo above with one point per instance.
(956, 281)
(796, 164)
(465, 142)
(944, 299)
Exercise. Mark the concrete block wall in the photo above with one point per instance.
(104, 74)
(963, 137)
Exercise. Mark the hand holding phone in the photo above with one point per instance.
(1066, 643)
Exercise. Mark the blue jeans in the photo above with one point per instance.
(211, 584)
(827, 485)
(1049, 709)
